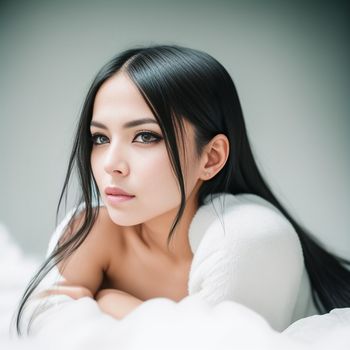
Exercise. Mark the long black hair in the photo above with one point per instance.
(178, 82)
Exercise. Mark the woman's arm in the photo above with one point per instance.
(116, 302)
(111, 301)
(75, 292)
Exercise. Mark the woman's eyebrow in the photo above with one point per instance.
(128, 124)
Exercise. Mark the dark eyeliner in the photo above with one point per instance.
(154, 135)
(95, 136)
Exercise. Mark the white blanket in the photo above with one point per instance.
(206, 319)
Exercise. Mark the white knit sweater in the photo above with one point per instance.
(247, 251)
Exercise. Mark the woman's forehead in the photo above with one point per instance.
(119, 94)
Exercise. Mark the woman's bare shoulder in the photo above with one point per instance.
(88, 263)
(103, 230)
(108, 236)
(113, 238)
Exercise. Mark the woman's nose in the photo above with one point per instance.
(115, 161)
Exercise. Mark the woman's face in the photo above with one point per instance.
(133, 156)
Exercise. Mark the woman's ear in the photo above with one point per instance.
(215, 156)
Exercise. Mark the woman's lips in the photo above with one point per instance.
(116, 199)
(116, 191)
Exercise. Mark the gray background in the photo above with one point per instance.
(289, 63)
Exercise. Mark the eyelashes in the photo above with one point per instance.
(96, 139)
(100, 139)
(155, 137)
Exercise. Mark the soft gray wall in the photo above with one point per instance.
(289, 63)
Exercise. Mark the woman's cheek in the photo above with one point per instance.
(97, 168)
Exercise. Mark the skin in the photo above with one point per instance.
(122, 157)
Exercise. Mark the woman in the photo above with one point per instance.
(160, 130)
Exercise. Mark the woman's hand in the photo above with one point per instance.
(111, 301)
(75, 292)
(116, 302)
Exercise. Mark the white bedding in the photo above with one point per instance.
(157, 324)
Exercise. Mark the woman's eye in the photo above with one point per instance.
(148, 137)
(99, 139)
